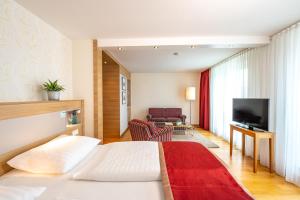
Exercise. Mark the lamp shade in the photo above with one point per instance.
(190, 93)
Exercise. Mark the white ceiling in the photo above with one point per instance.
(148, 59)
(140, 24)
(81, 19)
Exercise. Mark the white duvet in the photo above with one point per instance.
(123, 161)
(20, 192)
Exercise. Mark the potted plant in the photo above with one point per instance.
(53, 90)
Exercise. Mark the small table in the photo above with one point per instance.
(182, 129)
(257, 136)
(179, 129)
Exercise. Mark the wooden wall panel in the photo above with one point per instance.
(111, 100)
(98, 90)
(111, 95)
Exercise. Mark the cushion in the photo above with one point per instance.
(158, 119)
(173, 112)
(55, 157)
(173, 119)
(156, 112)
(20, 192)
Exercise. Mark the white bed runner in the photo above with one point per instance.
(123, 161)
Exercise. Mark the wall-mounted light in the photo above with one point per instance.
(155, 47)
(120, 49)
(193, 46)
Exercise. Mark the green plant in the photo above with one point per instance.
(52, 86)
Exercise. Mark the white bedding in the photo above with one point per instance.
(124, 161)
(63, 187)
(57, 156)
(20, 192)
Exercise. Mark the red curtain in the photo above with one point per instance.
(204, 100)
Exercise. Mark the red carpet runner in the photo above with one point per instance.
(196, 174)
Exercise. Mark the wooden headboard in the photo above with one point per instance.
(24, 109)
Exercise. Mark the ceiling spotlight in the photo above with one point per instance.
(155, 47)
(175, 53)
(193, 46)
(105, 62)
(120, 48)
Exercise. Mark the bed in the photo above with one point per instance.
(156, 171)
(63, 187)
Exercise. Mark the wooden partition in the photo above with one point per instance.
(111, 95)
(24, 109)
(98, 90)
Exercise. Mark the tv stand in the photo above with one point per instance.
(257, 136)
(251, 128)
(241, 126)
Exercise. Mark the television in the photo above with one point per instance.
(252, 113)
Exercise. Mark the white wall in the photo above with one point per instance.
(83, 80)
(31, 52)
(163, 90)
(18, 132)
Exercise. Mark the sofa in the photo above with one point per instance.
(166, 115)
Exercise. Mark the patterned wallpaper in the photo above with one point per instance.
(31, 52)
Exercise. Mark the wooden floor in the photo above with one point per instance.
(262, 185)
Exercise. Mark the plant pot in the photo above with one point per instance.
(53, 95)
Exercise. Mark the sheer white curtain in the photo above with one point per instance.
(285, 57)
(260, 81)
(228, 80)
(273, 72)
(239, 77)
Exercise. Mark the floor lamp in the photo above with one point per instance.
(190, 95)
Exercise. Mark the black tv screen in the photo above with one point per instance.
(251, 112)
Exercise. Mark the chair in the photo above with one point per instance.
(147, 131)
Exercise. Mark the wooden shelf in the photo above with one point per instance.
(73, 126)
(24, 109)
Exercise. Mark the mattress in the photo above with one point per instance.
(63, 187)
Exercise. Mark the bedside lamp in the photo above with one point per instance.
(190, 95)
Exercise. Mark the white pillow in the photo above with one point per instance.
(20, 192)
(55, 157)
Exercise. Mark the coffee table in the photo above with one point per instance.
(181, 129)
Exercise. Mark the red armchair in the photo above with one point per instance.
(147, 131)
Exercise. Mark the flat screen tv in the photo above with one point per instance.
(254, 113)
